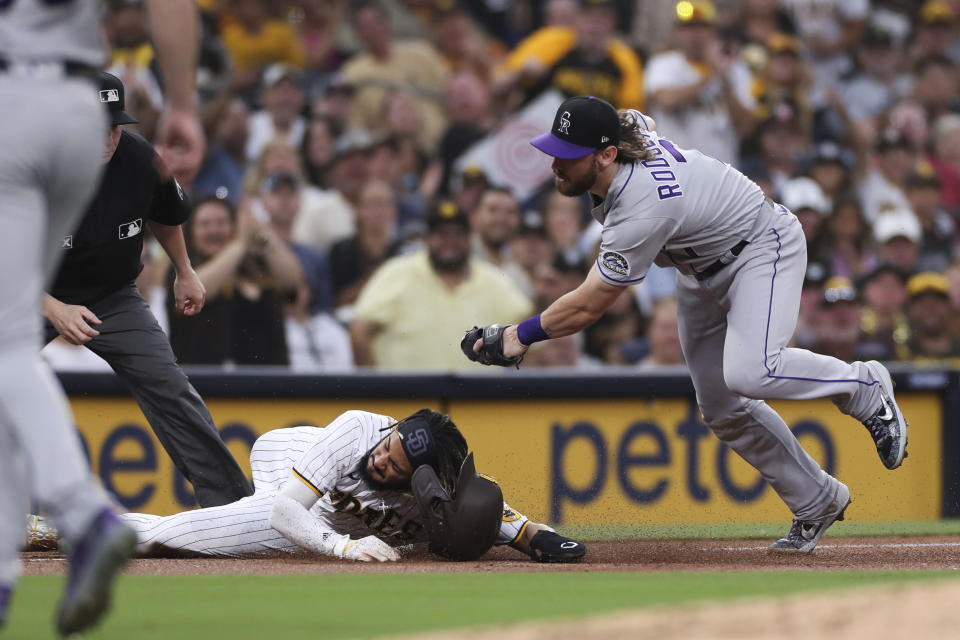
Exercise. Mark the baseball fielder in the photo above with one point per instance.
(740, 260)
(51, 136)
(342, 490)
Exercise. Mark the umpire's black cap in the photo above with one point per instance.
(111, 94)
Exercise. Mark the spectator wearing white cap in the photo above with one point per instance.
(281, 117)
(804, 197)
(898, 234)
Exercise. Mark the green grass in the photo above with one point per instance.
(341, 606)
(741, 531)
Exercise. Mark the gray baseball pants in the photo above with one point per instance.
(734, 329)
(138, 350)
(52, 133)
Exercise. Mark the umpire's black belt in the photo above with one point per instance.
(727, 258)
(67, 67)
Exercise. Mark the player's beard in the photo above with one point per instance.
(363, 470)
(444, 264)
(570, 187)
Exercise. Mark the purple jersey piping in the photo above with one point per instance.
(766, 339)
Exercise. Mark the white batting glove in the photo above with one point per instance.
(366, 549)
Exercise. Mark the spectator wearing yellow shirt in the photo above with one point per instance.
(583, 60)
(412, 312)
(387, 68)
(255, 40)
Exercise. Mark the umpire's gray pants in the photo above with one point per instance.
(52, 133)
(138, 350)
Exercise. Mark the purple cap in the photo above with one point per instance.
(581, 126)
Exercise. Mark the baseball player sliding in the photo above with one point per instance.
(740, 261)
(343, 490)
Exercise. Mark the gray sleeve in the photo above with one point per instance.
(629, 245)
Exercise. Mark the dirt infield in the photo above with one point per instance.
(918, 553)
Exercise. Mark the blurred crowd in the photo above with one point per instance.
(335, 225)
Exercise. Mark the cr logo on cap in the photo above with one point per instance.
(565, 123)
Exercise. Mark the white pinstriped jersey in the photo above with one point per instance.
(53, 30)
(681, 209)
(327, 459)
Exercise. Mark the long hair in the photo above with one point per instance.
(196, 258)
(635, 140)
(451, 445)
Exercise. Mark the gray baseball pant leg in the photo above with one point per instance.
(748, 426)
(50, 149)
(138, 350)
(762, 290)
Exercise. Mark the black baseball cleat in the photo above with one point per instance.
(550, 546)
(805, 534)
(95, 561)
(887, 426)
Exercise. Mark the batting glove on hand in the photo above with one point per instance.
(365, 550)
(491, 352)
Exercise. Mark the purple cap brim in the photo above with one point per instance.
(559, 148)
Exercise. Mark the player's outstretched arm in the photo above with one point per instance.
(543, 544)
(567, 315)
(291, 517)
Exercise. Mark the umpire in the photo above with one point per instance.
(94, 302)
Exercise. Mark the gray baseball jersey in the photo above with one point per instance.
(687, 210)
(52, 131)
(51, 30)
(680, 209)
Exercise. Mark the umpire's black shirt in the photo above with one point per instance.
(103, 254)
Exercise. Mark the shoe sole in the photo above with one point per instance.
(816, 540)
(91, 593)
(884, 376)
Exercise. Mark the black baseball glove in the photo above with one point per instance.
(549, 546)
(492, 350)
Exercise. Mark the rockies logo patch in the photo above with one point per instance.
(615, 262)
